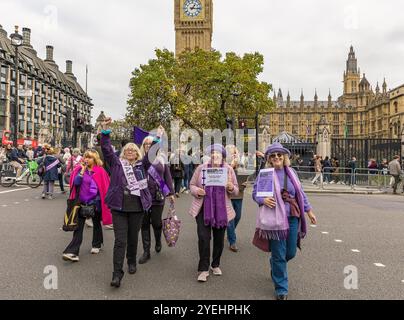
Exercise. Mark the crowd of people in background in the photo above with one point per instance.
(330, 171)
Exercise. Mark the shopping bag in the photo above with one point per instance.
(71, 218)
(171, 227)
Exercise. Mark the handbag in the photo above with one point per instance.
(66, 178)
(71, 217)
(159, 195)
(260, 243)
(41, 170)
(171, 227)
(87, 211)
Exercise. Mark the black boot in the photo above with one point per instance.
(116, 279)
(132, 268)
(157, 235)
(146, 246)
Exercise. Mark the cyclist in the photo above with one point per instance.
(15, 161)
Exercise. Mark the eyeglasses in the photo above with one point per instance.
(274, 155)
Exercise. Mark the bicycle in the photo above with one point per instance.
(8, 177)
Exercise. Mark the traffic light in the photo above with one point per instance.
(242, 124)
(80, 125)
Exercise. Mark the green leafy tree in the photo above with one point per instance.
(198, 88)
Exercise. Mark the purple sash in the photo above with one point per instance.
(163, 186)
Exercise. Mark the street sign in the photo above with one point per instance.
(24, 93)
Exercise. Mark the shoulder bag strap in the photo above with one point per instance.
(285, 181)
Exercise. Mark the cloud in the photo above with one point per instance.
(305, 43)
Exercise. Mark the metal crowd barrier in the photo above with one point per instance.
(353, 179)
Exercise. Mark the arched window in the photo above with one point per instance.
(396, 107)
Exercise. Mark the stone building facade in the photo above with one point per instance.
(47, 114)
(193, 21)
(360, 112)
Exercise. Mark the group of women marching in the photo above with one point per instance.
(132, 199)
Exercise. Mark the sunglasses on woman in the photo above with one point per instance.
(276, 155)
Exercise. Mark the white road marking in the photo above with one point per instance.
(355, 250)
(380, 265)
(338, 240)
(14, 190)
(402, 281)
(26, 200)
(4, 205)
(324, 232)
(16, 203)
(313, 226)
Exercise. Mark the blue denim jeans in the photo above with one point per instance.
(282, 252)
(231, 229)
(187, 176)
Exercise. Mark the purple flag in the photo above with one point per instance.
(139, 135)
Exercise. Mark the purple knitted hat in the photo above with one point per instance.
(277, 147)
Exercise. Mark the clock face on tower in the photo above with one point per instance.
(192, 8)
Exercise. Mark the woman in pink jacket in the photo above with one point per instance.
(212, 209)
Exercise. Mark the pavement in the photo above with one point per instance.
(372, 226)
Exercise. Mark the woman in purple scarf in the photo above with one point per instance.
(280, 218)
(212, 208)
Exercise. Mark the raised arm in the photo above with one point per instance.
(109, 155)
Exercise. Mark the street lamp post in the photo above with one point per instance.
(75, 126)
(16, 42)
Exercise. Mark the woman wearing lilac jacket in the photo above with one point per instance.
(281, 218)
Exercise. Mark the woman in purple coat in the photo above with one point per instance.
(128, 197)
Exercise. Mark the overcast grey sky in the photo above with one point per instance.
(305, 42)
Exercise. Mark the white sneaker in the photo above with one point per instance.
(203, 276)
(70, 257)
(95, 250)
(109, 227)
(216, 271)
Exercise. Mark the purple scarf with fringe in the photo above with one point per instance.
(214, 206)
(273, 224)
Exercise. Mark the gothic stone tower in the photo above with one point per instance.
(351, 76)
(193, 25)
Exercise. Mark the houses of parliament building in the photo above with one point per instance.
(360, 112)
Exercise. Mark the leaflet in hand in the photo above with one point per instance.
(265, 184)
(215, 177)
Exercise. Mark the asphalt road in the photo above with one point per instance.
(31, 239)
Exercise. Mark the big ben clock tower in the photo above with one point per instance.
(193, 25)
